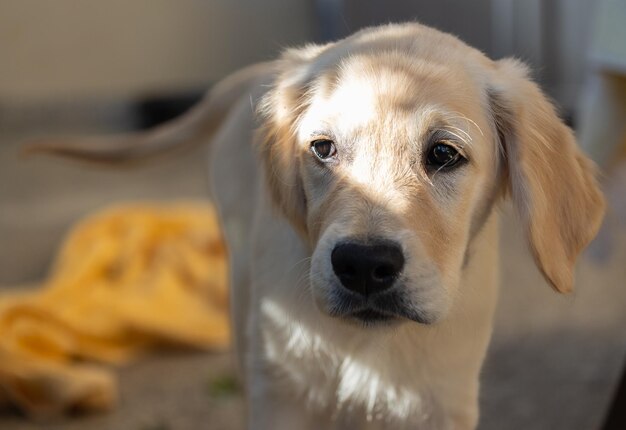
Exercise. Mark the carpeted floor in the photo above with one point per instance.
(553, 362)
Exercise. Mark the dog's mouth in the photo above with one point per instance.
(372, 316)
(384, 309)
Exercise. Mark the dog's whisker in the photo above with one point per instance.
(463, 132)
(466, 140)
(469, 120)
(298, 263)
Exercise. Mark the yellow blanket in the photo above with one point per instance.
(126, 280)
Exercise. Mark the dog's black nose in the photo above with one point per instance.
(367, 269)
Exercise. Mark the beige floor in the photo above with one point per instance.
(552, 365)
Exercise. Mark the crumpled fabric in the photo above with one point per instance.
(127, 281)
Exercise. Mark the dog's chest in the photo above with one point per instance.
(346, 374)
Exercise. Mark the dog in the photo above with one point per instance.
(357, 184)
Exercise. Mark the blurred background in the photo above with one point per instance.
(73, 67)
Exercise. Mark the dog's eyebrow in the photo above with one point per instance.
(443, 124)
(459, 116)
(322, 133)
(452, 133)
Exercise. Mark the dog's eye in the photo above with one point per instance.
(323, 149)
(443, 155)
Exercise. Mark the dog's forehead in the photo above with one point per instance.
(388, 87)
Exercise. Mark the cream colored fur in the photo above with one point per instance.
(380, 95)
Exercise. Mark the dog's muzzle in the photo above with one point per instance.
(370, 276)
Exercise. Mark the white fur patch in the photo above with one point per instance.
(348, 377)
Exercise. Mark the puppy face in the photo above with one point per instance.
(394, 170)
(385, 151)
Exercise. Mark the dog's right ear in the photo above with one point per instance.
(280, 110)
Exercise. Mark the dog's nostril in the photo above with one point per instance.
(384, 272)
(367, 269)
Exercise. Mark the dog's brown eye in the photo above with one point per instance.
(443, 155)
(323, 148)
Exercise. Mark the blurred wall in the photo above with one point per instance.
(125, 48)
(553, 36)
(470, 20)
(571, 59)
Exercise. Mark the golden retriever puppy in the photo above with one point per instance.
(356, 183)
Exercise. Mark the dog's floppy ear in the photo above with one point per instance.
(279, 111)
(551, 182)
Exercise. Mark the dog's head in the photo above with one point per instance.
(387, 151)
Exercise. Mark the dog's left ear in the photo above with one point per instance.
(551, 182)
